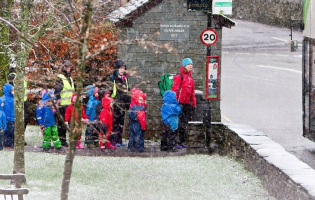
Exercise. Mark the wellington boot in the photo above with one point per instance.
(108, 145)
(79, 145)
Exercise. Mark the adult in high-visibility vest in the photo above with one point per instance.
(64, 88)
(122, 100)
(11, 78)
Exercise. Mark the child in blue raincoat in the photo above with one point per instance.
(91, 133)
(3, 122)
(46, 119)
(170, 111)
(8, 91)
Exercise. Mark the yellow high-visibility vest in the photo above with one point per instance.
(115, 88)
(67, 90)
(25, 86)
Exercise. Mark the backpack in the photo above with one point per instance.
(166, 82)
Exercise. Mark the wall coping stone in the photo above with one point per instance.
(299, 172)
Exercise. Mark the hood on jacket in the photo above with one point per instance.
(106, 102)
(183, 72)
(2, 99)
(90, 90)
(107, 93)
(46, 96)
(45, 90)
(74, 95)
(135, 93)
(140, 99)
(169, 97)
(7, 90)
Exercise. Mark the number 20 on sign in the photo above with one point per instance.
(209, 37)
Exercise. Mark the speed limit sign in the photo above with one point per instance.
(209, 37)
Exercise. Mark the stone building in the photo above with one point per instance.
(156, 35)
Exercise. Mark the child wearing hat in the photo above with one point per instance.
(122, 100)
(184, 89)
(46, 119)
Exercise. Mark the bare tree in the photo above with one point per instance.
(49, 31)
(76, 126)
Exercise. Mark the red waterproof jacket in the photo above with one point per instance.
(184, 89)
(135, 92)
(106, 115)
(137, 113)
(70, 108)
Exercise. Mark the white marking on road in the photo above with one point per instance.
(282, 55)
(284, 40)
(262, 54)
(279, 68)
(298, 56)
(227, 119)
(243, 53)
(275, 38)
(265, 54)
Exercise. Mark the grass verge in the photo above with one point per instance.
(185, 177)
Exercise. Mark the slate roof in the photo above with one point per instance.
(134, 8)
(222, 20)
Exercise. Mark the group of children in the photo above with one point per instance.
(104, 114)
(99, 131)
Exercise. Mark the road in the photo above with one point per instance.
(261, 84)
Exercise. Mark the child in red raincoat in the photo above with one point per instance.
(137, 116)
(68, 116)
(106, 123)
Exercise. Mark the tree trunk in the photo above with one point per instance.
(76, 126)
(19, 90)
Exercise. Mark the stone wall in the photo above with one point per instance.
(282, 174)
(148, 57)
(271, 12)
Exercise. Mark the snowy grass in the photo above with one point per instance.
(184, 177)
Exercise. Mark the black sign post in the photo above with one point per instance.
(209, 15)
(207, 112)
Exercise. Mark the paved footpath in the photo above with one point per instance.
(152, 149)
